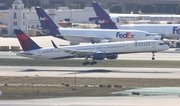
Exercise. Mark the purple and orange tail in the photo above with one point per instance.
(102, 18)
(26, 42)
(47, 23)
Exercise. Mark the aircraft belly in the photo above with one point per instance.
(77, 39)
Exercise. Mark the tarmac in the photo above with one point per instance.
(110, 72)
(98, 101)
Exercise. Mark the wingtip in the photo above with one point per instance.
(54, 45)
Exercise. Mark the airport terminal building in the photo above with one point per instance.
(18, 17)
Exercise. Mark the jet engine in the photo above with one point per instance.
(112, 56)
(99, 56)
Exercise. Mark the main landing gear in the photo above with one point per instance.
(87, 63)
(153, 58)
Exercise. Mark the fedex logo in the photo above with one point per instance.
(176, 30)
(103, 21)
(43, 19)
(127, 35)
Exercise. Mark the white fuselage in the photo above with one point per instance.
(170, 31)
(87, 35)
(107, 48)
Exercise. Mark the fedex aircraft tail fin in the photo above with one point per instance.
(47, 23)
(45, 20)
(26, 42)
(103, 19)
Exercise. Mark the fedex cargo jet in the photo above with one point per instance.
(98, 51)
(89, 35)
(169, 31)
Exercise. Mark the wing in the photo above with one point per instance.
(159, 34)
(95, 39)
(79, 53)
(41, 31)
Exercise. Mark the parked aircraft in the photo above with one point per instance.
(98, 51)
(89, 35)
(169, 31)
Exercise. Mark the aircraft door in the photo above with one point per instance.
(39, 53)
(127, 47)
(153, 45)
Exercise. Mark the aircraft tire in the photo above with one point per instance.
(95, 62)
(92, 63)
(84, 63)
(87, 63)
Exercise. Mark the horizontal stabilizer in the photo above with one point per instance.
(95, 18)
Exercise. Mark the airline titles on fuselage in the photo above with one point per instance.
(142, 44)
(50, 51)
(126, 35)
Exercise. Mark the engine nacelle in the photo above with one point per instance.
(112, 56)
(99, 56)
(158, 38)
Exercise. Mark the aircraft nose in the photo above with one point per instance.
(18, 54)
(167, 47)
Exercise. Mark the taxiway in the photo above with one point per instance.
(108, 72)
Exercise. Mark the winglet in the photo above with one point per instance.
(92, 41)
(54, 45)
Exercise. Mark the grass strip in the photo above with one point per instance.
(104, 63)
(51, 87)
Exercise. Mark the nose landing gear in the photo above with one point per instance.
(153, 58)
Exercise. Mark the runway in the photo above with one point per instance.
(109, 72)
(98, 101)
(165, 55)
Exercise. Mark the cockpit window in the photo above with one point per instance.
(161, 43)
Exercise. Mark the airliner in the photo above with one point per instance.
(89, 35)
(98, 51)
(169, 31)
